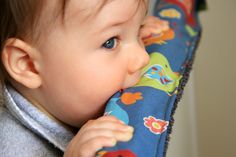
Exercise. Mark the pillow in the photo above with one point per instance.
(149, 105)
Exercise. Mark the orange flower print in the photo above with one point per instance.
(130, 98)
(156, 126)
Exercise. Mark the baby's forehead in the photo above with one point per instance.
(85, 10)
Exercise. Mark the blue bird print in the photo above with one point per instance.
(114, 109)
(156, 72)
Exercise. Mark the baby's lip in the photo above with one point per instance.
(139, 75)
(135, 79)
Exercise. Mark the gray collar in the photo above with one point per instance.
(36, 120)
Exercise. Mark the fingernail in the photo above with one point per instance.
(130, 128)
(113, 142)
(129, 136)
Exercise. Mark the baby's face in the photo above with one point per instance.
(90, 57)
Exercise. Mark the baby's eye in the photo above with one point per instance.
(111, 43)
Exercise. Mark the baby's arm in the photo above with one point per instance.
(105, 131)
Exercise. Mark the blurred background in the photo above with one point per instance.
(205, 118)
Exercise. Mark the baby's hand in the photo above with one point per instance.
(153, 25)
(96, 134)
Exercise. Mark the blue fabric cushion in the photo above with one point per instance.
(149, 106)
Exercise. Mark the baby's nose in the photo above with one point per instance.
(139, 59)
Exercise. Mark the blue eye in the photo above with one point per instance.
(111, 43)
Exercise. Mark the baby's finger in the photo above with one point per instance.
(117, 135)
(147, 31)
(164, 25)
(109, 118)
(151, 19)
(90, 148)
(104, 122)
(91, 123)
(110, 126)
(106, 118)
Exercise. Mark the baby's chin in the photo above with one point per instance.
(80, 121)
(100, 112)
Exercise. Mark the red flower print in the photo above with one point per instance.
(156, 126)
(118, 153)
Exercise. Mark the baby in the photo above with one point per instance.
(61, 62)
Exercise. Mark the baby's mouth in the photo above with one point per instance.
(138, 77)
(133, 80)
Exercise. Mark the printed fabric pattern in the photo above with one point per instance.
(149, 106)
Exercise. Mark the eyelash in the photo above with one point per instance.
(113, 44)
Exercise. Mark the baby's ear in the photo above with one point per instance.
(20, 61)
